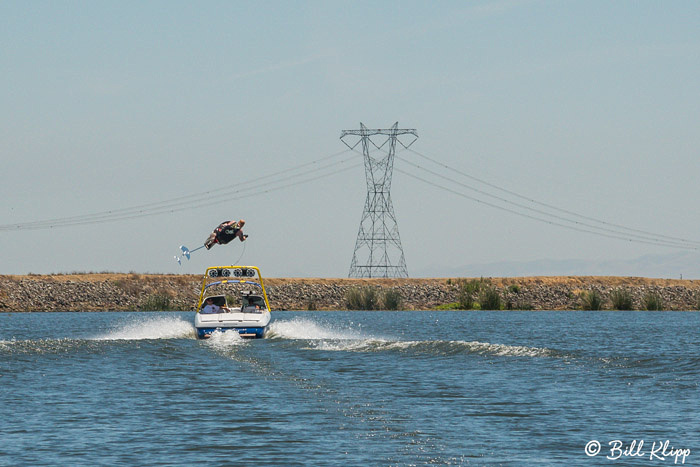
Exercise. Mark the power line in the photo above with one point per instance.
(195, 200)
(547, 221)
(651, 238)
(643, 233)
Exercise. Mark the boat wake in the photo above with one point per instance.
(40, 346)
(160, 327)
(145, 328)
(224, 340)
(301, 328)
(308, 333)
(320, 337)
(438, 348)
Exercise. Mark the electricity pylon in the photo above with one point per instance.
(378, 251)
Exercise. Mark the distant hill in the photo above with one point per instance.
(668, 266)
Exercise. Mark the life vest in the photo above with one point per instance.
(226, 233)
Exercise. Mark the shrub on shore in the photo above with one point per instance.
(467, 291)
(591, 300)
(490, 299)
(361, 298)
(373, 298)
(392, 300)
(621, 299)
(653, 302)
(157, 302)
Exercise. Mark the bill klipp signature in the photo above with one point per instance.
(659, 451)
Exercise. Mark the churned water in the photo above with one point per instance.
(352, 388)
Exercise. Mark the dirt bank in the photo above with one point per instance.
(100, 292)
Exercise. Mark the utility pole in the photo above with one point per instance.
(378, 251)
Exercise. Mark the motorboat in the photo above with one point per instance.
(232, 298)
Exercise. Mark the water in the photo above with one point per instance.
(349, 388)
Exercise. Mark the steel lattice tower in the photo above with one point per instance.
(378, 251)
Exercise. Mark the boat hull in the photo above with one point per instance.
(247, 325)
(246, 333)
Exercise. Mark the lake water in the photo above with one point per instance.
(352, 388)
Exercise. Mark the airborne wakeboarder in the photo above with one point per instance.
(225, 232)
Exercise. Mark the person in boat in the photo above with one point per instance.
(211, 307)
(225, 232)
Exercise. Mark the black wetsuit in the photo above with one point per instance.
(226, 233)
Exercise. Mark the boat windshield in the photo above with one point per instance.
(252, 303)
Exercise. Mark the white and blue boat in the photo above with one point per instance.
(232, 298)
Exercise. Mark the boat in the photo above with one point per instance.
(239, 298)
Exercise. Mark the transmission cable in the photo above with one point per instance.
(188, 201)
(554, 216)
(645, 237)
(168, 210)
(547, 221)
(549, 206)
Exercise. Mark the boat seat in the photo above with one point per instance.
(219, 300)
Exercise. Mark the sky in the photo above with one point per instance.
(232, 109)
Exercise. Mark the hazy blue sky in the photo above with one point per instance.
(590, 106)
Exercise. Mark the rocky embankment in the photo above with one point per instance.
(101, 292)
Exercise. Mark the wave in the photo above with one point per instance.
(334, 338)
(42, 346)
(301, 328)
(313, 335)
(437, 347)
(326, 338)
(151, 328)
(146, 328)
